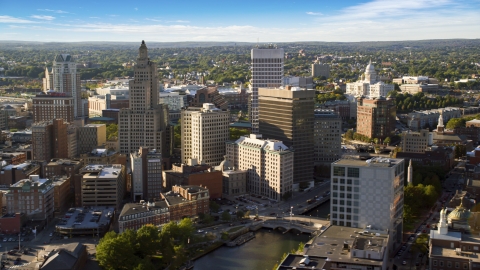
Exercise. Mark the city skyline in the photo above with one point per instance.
(266, 21)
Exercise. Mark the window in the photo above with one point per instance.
(339, 171)
(457, 265)
(434, 262)
(449, 264)
(354, 172)
(441, 263)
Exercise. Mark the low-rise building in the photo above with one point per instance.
(416, 142)
(100, 156)
(11, 174)
(234, 180)
(85, 221)
(71, 256)
(33, 196)
(62, 194)
(23, 136)
(187, 201)
(136, 215)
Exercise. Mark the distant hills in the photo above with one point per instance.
(107, 45)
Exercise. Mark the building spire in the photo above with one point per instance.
(410, 173)
(442, 223)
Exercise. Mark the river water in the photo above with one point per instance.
(262, 252)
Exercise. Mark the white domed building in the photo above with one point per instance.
(369, 86)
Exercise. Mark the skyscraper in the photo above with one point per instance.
(267, 71)
(144, 123)
(65, 79)
(287, 115)
(327, 136)
(376, 117)
(368, 195)
(146, 168)
(204, 133)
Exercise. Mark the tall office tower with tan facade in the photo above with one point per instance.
(376, 117)
(267, 71)
(269, 165)
(204, 133)
(286, 114)
(145, 122)
(64, 78)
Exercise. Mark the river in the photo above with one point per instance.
(262, 252)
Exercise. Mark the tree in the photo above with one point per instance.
(240, 214)
(226, 216)
(455, 123)
(235, 133)
(421, 243)
(349, 135)
(112, 132)
(214, 207)
(148, 240)
(116, 253)
(387, 141)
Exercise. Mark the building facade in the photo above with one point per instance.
(204, 133)
(320, 70)
(146, 166)
(102, 185)
(267, 71)
(49, 140)
(145, 122)
(287, 115)
(269, 165)
(327, 136)
(368, 195)
(376, 117)
(187, 201)
(136, 215)
(91, 136)
(33, 197)
(53, 105)
(416, 142)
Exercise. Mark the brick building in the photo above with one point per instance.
(209, 95)
(136, 215)
(194, 174)
(376, 117)
(11, 174)
(187, 201)
(52, 105)
(50, 140)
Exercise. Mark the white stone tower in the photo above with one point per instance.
(442, 224)
(410, 173)
(440, 126)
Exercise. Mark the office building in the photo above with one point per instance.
(102, 185)
(416, 142)
(368, 195)
(64, 79)
(267, 71)
(204, 133)
(53, 105)
(49, 140)
(173, 100)
(234, 180)
(33, 197)
(91, 136)
(269, 165)
(98, 103)
(320, 70)
(327, 136)
(10, 174)
(369, 85)
(145, 122)
(146, 166)
(286, 114)
(376, 117)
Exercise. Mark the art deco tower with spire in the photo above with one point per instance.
(145, 122)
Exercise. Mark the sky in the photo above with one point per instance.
(242, 21)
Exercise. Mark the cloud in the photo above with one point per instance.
(43, 17)
(136, 9)
(10, 19)
(52, 10)
(179, 21)
(153, 20)
(314, 13)
(94, 17)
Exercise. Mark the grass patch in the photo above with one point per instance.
(234, 229)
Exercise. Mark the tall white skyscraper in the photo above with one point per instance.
(368, 195)
(145, 122)
(267, 71)
(64, 79)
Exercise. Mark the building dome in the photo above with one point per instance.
(370, 68)
(459, 214)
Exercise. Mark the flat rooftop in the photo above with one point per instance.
(337, 242)
(377, 162)
(295, 260)
(136, 208)
(81, 218)
(101, 171)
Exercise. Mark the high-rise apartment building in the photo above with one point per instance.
(267, 71)
(376, 117)
(146, 166)
(50, 140)
(368, 195)
(269, 165)
(145, 122)
(327, 136)
(91, 136)
(204, 133)
(287, 115)
(65, 79)
(53, 105)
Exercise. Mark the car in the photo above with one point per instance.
(51, 234)
(5, 239)
(200, 231)
(215, 228)
(404, 263)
